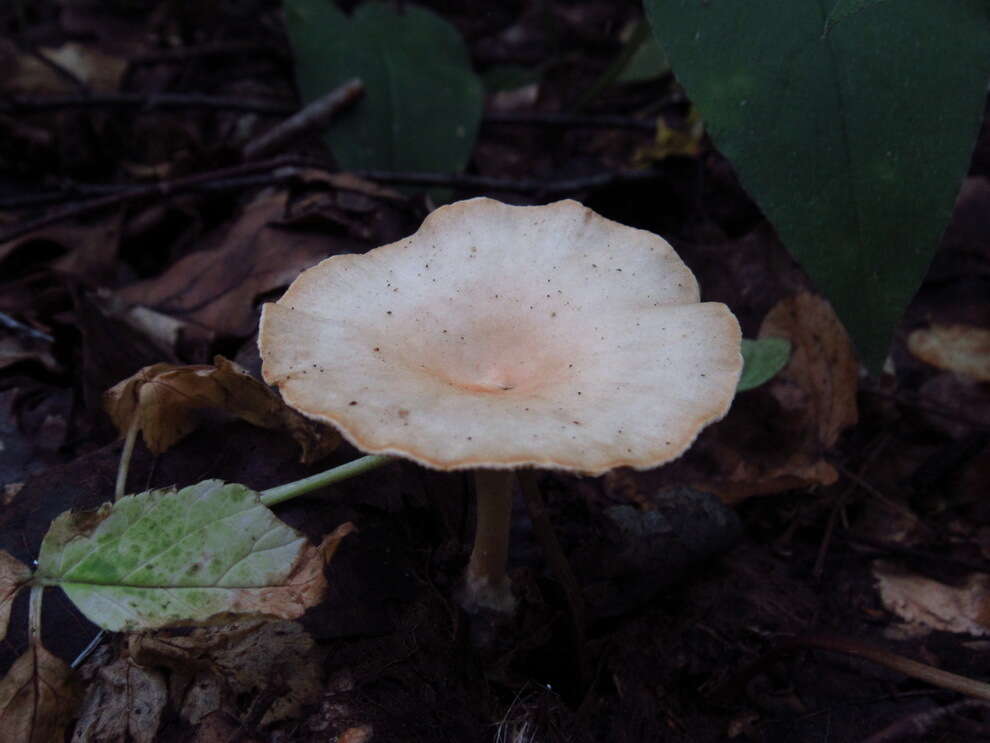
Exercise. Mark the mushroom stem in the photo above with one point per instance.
(487, 585)
(328, 477)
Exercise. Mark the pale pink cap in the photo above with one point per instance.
(503, 336)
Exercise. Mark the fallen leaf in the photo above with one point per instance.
(199, 555)
(822, 375)
(218, 287)
(685, 139)
(38, 698)
(957, 348)
(277, 659)
(125, 703)
(13, 575)
(776, 438)
(924, 604)
(29, 74)
(164, 398)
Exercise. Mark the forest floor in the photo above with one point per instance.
(846, 525)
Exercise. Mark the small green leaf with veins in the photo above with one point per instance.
(762, 359)
(193, 556)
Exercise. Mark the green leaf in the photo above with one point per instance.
(853, 142)
(422, 103)
(647, 63)
(845, 8)
(194, 556)
(762, 359)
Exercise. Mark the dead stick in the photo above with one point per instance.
(144, 103)
(315, 116)
(885, 658)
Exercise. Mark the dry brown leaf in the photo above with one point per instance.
(125, 703)
(165, 397)
(13, 575)
(38, 698)
(963, 349)
(28, 74)
(257, 657)
(925, 604)
(218, 287)
(775, 438)
(822, 374)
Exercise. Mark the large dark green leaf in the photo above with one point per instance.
(423, 102)
(852, 138)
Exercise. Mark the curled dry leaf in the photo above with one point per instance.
(13, 575)
(199, 555)
(38, 698)
(802, 410)
(164, 397)
(125, 703)
(963, 349)
(925, 604)
(36, 74)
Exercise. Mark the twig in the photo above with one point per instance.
(919, 724)
(316, 115)
(12, 323)
(277, 169)
(216, 49)
(572, 121)
(525, 185)
(144, 103)
(885, 658)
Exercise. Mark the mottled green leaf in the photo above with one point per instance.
(762, 359)
(192, 556)
(853, 142)
(422, 103)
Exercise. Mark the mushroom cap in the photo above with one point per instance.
(501, 336)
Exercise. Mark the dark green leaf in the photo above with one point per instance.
(422, 102)
(762, 359)
(853, 142)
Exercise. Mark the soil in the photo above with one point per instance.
(707, 618)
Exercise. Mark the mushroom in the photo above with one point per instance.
(499, 337)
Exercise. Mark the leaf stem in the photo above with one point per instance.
(34, 614)
(291, 490)
(125, 456)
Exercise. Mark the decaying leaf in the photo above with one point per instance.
(13, 575)
(164, 398)
(36, 74)
(957, 348)
(38, 697)
(199, 555)
(277, 659)
(126, 702)
(812, 399)
(823, 370)
(682, 140)
(925, 604)
(217, 287)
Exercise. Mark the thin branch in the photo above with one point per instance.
(525, 185)
(280, 169)
(569, 121)
(144, 103)
(12, 323)
(216, 49)
(314, 116)
(893, 661)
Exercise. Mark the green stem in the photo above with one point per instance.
(291, 490)
(640, 34)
